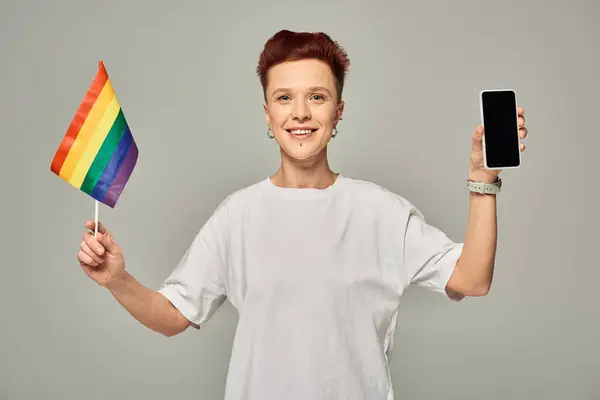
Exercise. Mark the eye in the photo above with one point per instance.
(318, 97)
(284, 97)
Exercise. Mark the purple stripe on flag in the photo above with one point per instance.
(110, 172)
(113, 193)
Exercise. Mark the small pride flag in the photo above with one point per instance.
(98, 153)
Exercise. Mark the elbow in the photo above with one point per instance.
(170, 333)
(460, 289)
(170, 322)
(178, 326)
(475, 289)
(481, 290)
(469, 284)
(459, 293)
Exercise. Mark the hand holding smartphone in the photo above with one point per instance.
(499, 117)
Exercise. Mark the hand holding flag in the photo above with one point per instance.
(100, 256)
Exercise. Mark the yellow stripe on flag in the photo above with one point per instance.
(86, 131)
(100, 133)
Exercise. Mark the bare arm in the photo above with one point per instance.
(149, 307)
(474, 269)
(102, 260)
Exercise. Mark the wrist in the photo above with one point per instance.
(482, 176)
(117, 282)
(483, 185)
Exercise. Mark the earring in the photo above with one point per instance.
(269, 134)
(335, 129)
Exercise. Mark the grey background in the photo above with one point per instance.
(185, 76)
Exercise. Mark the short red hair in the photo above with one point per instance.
(286, 45)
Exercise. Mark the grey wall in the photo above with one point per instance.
(185, 76)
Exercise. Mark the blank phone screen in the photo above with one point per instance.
(500, 124)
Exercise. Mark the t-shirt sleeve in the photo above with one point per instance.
(429, 255)
(195, 286)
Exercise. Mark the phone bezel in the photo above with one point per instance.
(483, 124)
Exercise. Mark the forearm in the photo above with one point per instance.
(149, 307)
(476, 264)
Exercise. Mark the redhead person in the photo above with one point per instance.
(314, 261)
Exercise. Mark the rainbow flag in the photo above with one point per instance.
(98, 153)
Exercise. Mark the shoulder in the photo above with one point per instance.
(373, 194)
(240, 198)
(228, 211)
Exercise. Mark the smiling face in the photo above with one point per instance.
(301, 107)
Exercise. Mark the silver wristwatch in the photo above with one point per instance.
(484, 188)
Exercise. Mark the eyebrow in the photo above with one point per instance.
(310, 89)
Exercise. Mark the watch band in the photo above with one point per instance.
(484, 188)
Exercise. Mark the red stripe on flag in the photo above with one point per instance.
(80, 117)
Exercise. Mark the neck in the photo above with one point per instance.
(304, 174)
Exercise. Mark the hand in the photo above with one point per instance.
(100, 257)
(477, 171)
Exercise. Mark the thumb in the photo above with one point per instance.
(477, 139)
(107, 241)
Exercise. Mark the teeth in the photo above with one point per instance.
(301, 131)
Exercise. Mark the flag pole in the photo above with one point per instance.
(96, 219)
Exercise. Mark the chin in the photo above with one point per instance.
(304, 153)
(304, 148)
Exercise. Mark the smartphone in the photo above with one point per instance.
(499, 117)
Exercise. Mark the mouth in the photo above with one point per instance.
(301, 133)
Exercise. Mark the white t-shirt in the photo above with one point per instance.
(316, 276)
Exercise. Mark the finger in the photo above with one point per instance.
(87, 268)
(107, 242)
(91, 253)
(91, 224)
(522, 146)
(85, 259)
(477, 138)
(520, 111)
(521, 122)
(523, 133)
(93, 243)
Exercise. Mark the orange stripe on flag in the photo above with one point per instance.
(87, 131)
(79, 119)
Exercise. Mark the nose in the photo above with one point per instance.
(300, 111)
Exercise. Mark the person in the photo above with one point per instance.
(314, 261)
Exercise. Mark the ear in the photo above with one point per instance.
(267, 115)
(339, 111)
